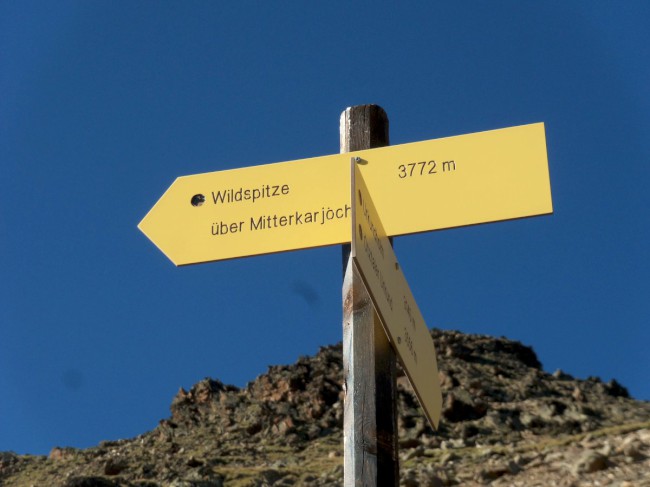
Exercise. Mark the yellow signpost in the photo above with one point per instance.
(400, 316)
(417, 187)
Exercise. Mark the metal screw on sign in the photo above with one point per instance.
(198, 200)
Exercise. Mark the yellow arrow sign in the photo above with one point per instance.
(418, 187)
(392, 298)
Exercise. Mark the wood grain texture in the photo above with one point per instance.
(369, 362)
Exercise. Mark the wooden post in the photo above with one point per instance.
(370, 414)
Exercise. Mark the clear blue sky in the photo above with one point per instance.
(103, 104)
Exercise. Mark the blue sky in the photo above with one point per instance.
(104, 104)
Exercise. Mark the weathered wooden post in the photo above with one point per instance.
(369, 362)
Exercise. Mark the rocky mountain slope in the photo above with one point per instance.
(505, 422)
